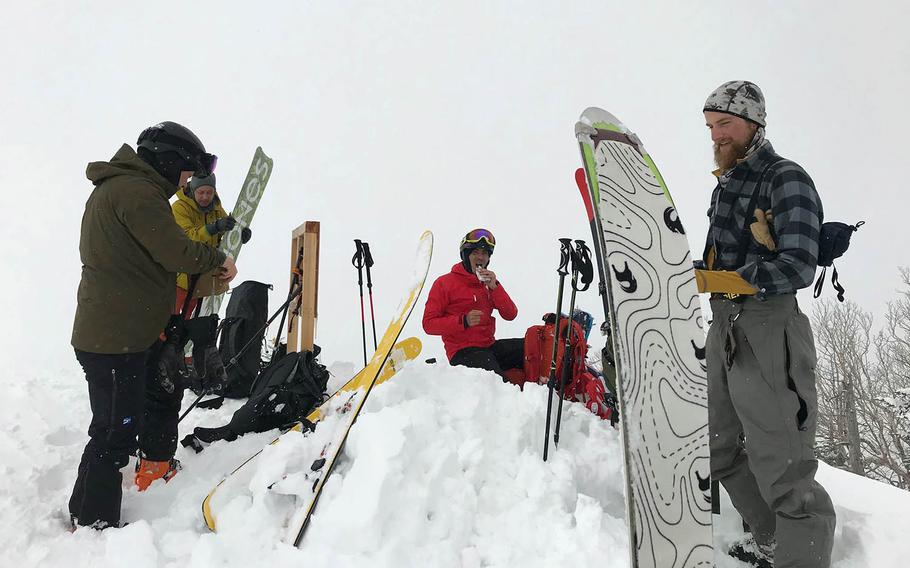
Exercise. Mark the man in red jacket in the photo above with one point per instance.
(460, 309)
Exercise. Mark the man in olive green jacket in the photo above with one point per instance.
(132, 250)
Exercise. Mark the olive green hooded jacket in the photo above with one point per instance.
(131, 250)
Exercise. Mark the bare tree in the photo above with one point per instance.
(894, 361)
(864, 388)
(843, 342)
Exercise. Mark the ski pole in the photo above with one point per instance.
(368, 260)
(565, 253)
(357, 261)
(236, 358)
(581, 266)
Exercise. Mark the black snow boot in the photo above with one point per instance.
(752, 553)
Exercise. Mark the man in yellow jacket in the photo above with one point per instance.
(199, 213)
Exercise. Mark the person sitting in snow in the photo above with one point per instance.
(460, 308)
(199, 213)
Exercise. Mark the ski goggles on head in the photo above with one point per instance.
(477, 236)
(203, 164)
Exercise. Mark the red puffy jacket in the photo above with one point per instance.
(455, 294)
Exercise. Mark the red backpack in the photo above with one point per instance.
(539, 349)
(582, 385)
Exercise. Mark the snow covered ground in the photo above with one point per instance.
(443, 468)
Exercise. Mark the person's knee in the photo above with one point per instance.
(162, 402)
(487, 363)
(115, 455)
(802, 501)
(726, 459)
(475, 358)
(117, 439)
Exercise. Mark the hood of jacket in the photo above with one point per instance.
(127, 163)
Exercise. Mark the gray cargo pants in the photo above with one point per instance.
(761, 385)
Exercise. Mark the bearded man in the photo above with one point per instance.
(762, 247)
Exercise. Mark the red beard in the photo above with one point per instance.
(727, 155)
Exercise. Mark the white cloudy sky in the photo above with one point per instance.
(386, 118)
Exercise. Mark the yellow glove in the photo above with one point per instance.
(723, 281)
(761, 231)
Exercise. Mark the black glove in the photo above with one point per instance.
(210, 368)
(222, 225)
(245, 235)
(171, 367)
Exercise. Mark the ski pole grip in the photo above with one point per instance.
(367, 257)
(368, 261)
(357, 259)
(565, 254)
(585, 266)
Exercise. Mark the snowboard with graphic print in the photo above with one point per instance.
(657, 338)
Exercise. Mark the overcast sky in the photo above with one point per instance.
(388, 118)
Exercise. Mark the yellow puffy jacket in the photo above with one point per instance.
(193, 221)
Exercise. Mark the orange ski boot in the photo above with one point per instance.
(148, 471)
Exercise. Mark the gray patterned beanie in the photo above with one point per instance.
(196, 182)
(739, 98)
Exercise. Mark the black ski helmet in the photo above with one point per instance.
(171, 148)
(478, 238)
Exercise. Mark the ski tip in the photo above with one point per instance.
(425, 245)
(207, 511)
(581, 180)
(595, 117)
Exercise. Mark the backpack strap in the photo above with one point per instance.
(820, 282)
(835, 281)
(746, 234)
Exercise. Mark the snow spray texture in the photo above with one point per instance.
(238, 482)
(651, 301)
(321, 466)
(313, 468)
(243, 211)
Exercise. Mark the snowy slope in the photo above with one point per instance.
(442, 469)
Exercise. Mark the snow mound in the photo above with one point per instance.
(443, 468)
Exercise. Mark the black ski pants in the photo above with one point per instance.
(130, 411)
(504, 354)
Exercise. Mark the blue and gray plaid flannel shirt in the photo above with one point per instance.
(787, 190)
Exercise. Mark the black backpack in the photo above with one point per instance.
(833, 242)
(284, 393)
(246, 315)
